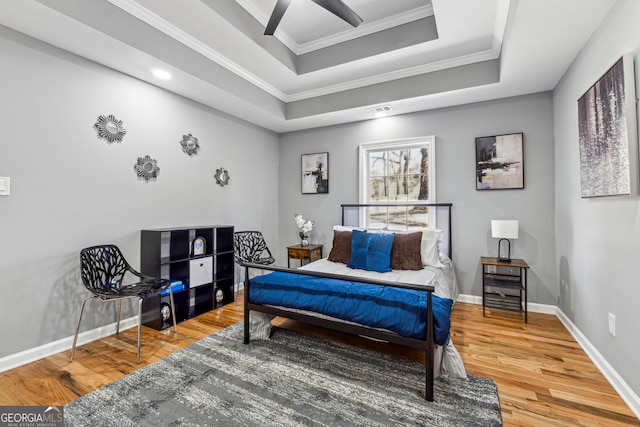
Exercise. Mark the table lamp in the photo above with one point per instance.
(504, 229)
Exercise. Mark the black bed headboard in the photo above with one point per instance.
(403, 216)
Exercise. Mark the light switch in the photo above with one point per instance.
(5, 186)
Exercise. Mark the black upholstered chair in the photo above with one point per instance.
(109, 277)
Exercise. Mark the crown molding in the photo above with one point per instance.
(263, 19)
(365, 29)
(250, 7)
(502, 17)
(353, 33)
(142, 13)
(485, 55)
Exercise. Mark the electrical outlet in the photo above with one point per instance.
(491, 269)
(612, 324)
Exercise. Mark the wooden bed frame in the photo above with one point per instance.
(427, 344)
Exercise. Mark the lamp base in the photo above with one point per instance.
(500, 257)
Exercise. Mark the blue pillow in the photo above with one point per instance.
(371, 252)
(359, 247)
(379, 252)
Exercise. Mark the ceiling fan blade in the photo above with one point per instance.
(276, 16)
(341, 10)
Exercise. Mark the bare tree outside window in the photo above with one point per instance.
(398, 173)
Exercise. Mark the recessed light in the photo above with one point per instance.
(161, 74)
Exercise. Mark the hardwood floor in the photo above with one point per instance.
(544, 378)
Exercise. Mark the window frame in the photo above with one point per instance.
(368, 147)
(364, 177)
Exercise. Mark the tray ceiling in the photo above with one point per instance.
(318, 70)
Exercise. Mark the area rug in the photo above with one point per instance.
(290, 380)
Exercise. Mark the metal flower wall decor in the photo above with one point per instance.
(190, 144)
(109, 128)
(222, 177)
(147, 168)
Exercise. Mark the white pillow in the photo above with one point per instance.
(429, 247)
(368, 230)
(347, 228)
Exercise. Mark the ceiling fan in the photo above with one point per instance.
(337, 7)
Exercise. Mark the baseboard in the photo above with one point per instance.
(471, 299)
(64, 344)
(532, 307)
(31, 355)
(616, 381)
(631, 399)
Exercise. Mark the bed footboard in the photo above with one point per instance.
(427, 344)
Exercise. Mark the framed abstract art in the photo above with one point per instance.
(315, 173)
(607, 134)
(500, 162)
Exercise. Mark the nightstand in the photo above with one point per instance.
(504, 285)
(310, 253)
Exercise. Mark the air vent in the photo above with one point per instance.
(379, 110)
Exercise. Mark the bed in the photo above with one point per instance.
(358, 292)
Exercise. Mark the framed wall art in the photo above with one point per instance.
(500, 162)
(315, 173)
(607, 134)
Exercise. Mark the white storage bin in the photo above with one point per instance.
(200, 271)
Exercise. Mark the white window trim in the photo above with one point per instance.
(363, 173)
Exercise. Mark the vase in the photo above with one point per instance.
(304, 242)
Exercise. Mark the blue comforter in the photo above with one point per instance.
(403, 311)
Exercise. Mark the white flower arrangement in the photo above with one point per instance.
(304, 226)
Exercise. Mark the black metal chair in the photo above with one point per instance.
(109, 277)
(249, 246)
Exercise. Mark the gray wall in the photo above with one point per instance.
(71, 190)
(598, 240)
(455, 129)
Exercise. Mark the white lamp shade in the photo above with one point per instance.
(504, 228)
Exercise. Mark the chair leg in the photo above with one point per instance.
(139, 325)
(173, 310)
(75, 337)
(119, 311)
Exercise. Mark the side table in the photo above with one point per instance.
(508, 276)
(310, 253)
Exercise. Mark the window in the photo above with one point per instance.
(396, 172)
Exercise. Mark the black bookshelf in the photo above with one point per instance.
(206, 273)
